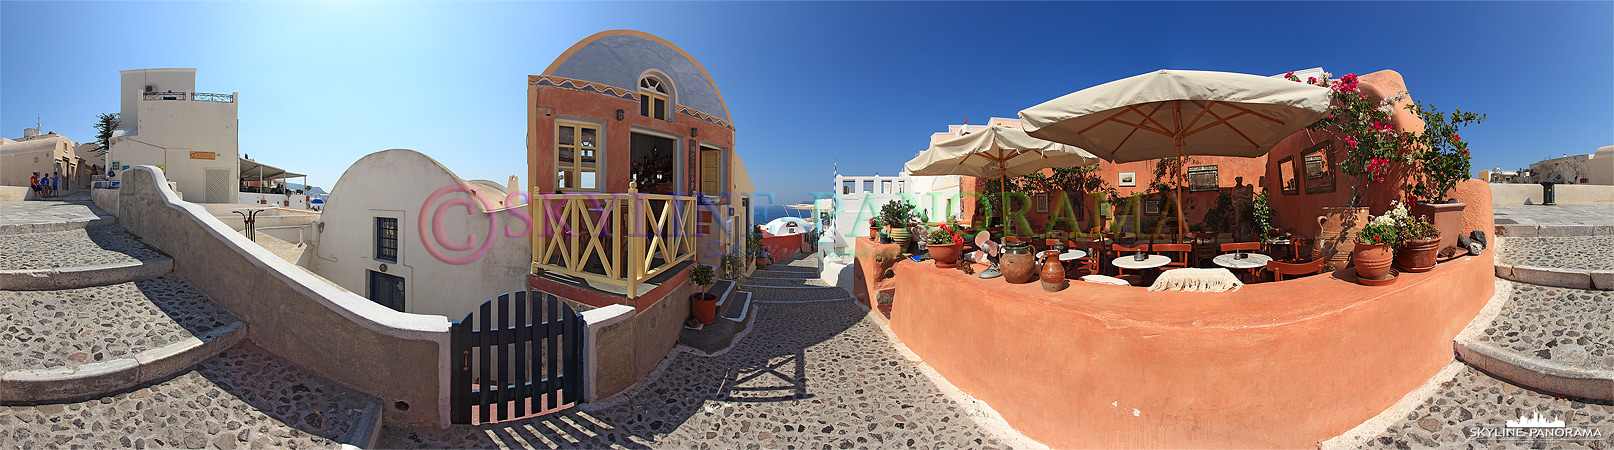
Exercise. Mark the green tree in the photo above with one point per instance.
(104, 124)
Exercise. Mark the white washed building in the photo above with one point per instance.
(193, 136)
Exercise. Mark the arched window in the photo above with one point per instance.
(653, 98)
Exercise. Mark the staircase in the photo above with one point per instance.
(1551, 326)
(793, 281)
(103, 345)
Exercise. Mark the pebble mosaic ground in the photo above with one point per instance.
(244, 398)
(74, 248)
(1578, 253)
(66, 328)
(1469, 411)
(809, 376)
(1569, 326)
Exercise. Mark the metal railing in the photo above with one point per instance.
(211, 97)
(165, 95)
(621, 238)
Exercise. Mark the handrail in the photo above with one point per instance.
(212, 97)
(624, 232)
(165, 95)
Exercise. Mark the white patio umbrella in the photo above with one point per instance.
(1176, 112)
(996, 151)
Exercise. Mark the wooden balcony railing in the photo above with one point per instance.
(617, 238)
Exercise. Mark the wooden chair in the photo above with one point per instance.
(1279, 269)
(1089, 263)
(1118, 250)
(1179, 254)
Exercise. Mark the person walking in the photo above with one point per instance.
(56, 181)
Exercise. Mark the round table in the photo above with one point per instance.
(1072, 255)
(1233, 261)
(1130, 262)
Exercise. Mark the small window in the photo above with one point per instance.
(1202, 178)
(653, 97)
(386, 239)
(576, 157)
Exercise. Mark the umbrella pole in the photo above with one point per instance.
(1003, 197)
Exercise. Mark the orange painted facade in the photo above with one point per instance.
(1273, 365)
(1295, 211)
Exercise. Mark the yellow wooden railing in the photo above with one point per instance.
(632, 236)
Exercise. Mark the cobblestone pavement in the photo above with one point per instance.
(74, 248)
(34, 212)
(65, 328)
(1475, 402)
(243, 398)
(1581, 253)
(1569, 326)
(810, 375)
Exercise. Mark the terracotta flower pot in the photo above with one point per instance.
(704, 307)
(901, 237)
(1372, 261)
(874, 233)
(1053, 272)
(1017, 263)
(946, 255)
(1417, 255)
(1446, 217)
(1336, 230)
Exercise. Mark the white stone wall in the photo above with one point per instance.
(178, 135)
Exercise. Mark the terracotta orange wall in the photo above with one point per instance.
(871, 261)
(544, 103)
(1270, 366)
(783, 247)
(1299, 211)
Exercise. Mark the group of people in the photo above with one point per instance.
(45, 186)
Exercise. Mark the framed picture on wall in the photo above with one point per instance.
(1128, 179)
(1040, 200)
(1151, 206)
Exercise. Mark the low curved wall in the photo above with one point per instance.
(400, 358)
(1286, 364)
(783, 247)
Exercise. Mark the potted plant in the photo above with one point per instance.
(701, 303)
(897, 214)
(752, 244)
(1374, 251)
(945, 246)
(1418, 240)
(1443, 161)
(732, 267)
(875, 224)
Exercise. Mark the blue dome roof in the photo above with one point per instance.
(619, 57)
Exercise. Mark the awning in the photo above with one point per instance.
(256, 171)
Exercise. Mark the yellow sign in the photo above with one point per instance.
(202, 155)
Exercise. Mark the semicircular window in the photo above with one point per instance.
(653, 98)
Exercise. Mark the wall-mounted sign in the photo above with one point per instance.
(202, 155)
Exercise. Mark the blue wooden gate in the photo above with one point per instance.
(516, 356)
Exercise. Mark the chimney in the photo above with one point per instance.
(30, 132)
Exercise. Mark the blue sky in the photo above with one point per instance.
(808, 84)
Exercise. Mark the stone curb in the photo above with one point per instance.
(1551, 276)
(1527, 230)
(31, 228)
(1549, 376)
(792, 274)
(367, 430)
(80, 277)
(94, 379)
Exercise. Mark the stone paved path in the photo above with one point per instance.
(74, 248)
(244, 398)
(1475, 402)
(1577, 219)
(1569, 326)
(807, 376)
(42, 212)
(65, 328)
(1580, 253)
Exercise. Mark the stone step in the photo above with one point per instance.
(734, 317)
(245, 397)
(783, 274)
(77, 258)
(44, 217)
(1554, 339)
(85, 342)
(786, 282)
(785, 294)
(1585, 262)
(1563, 220)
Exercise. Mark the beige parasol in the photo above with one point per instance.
(1170, 113)
(996, 151)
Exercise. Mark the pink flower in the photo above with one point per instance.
(1311, 80)
(1349, 78)
(1350, 141)
(1456, 137)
